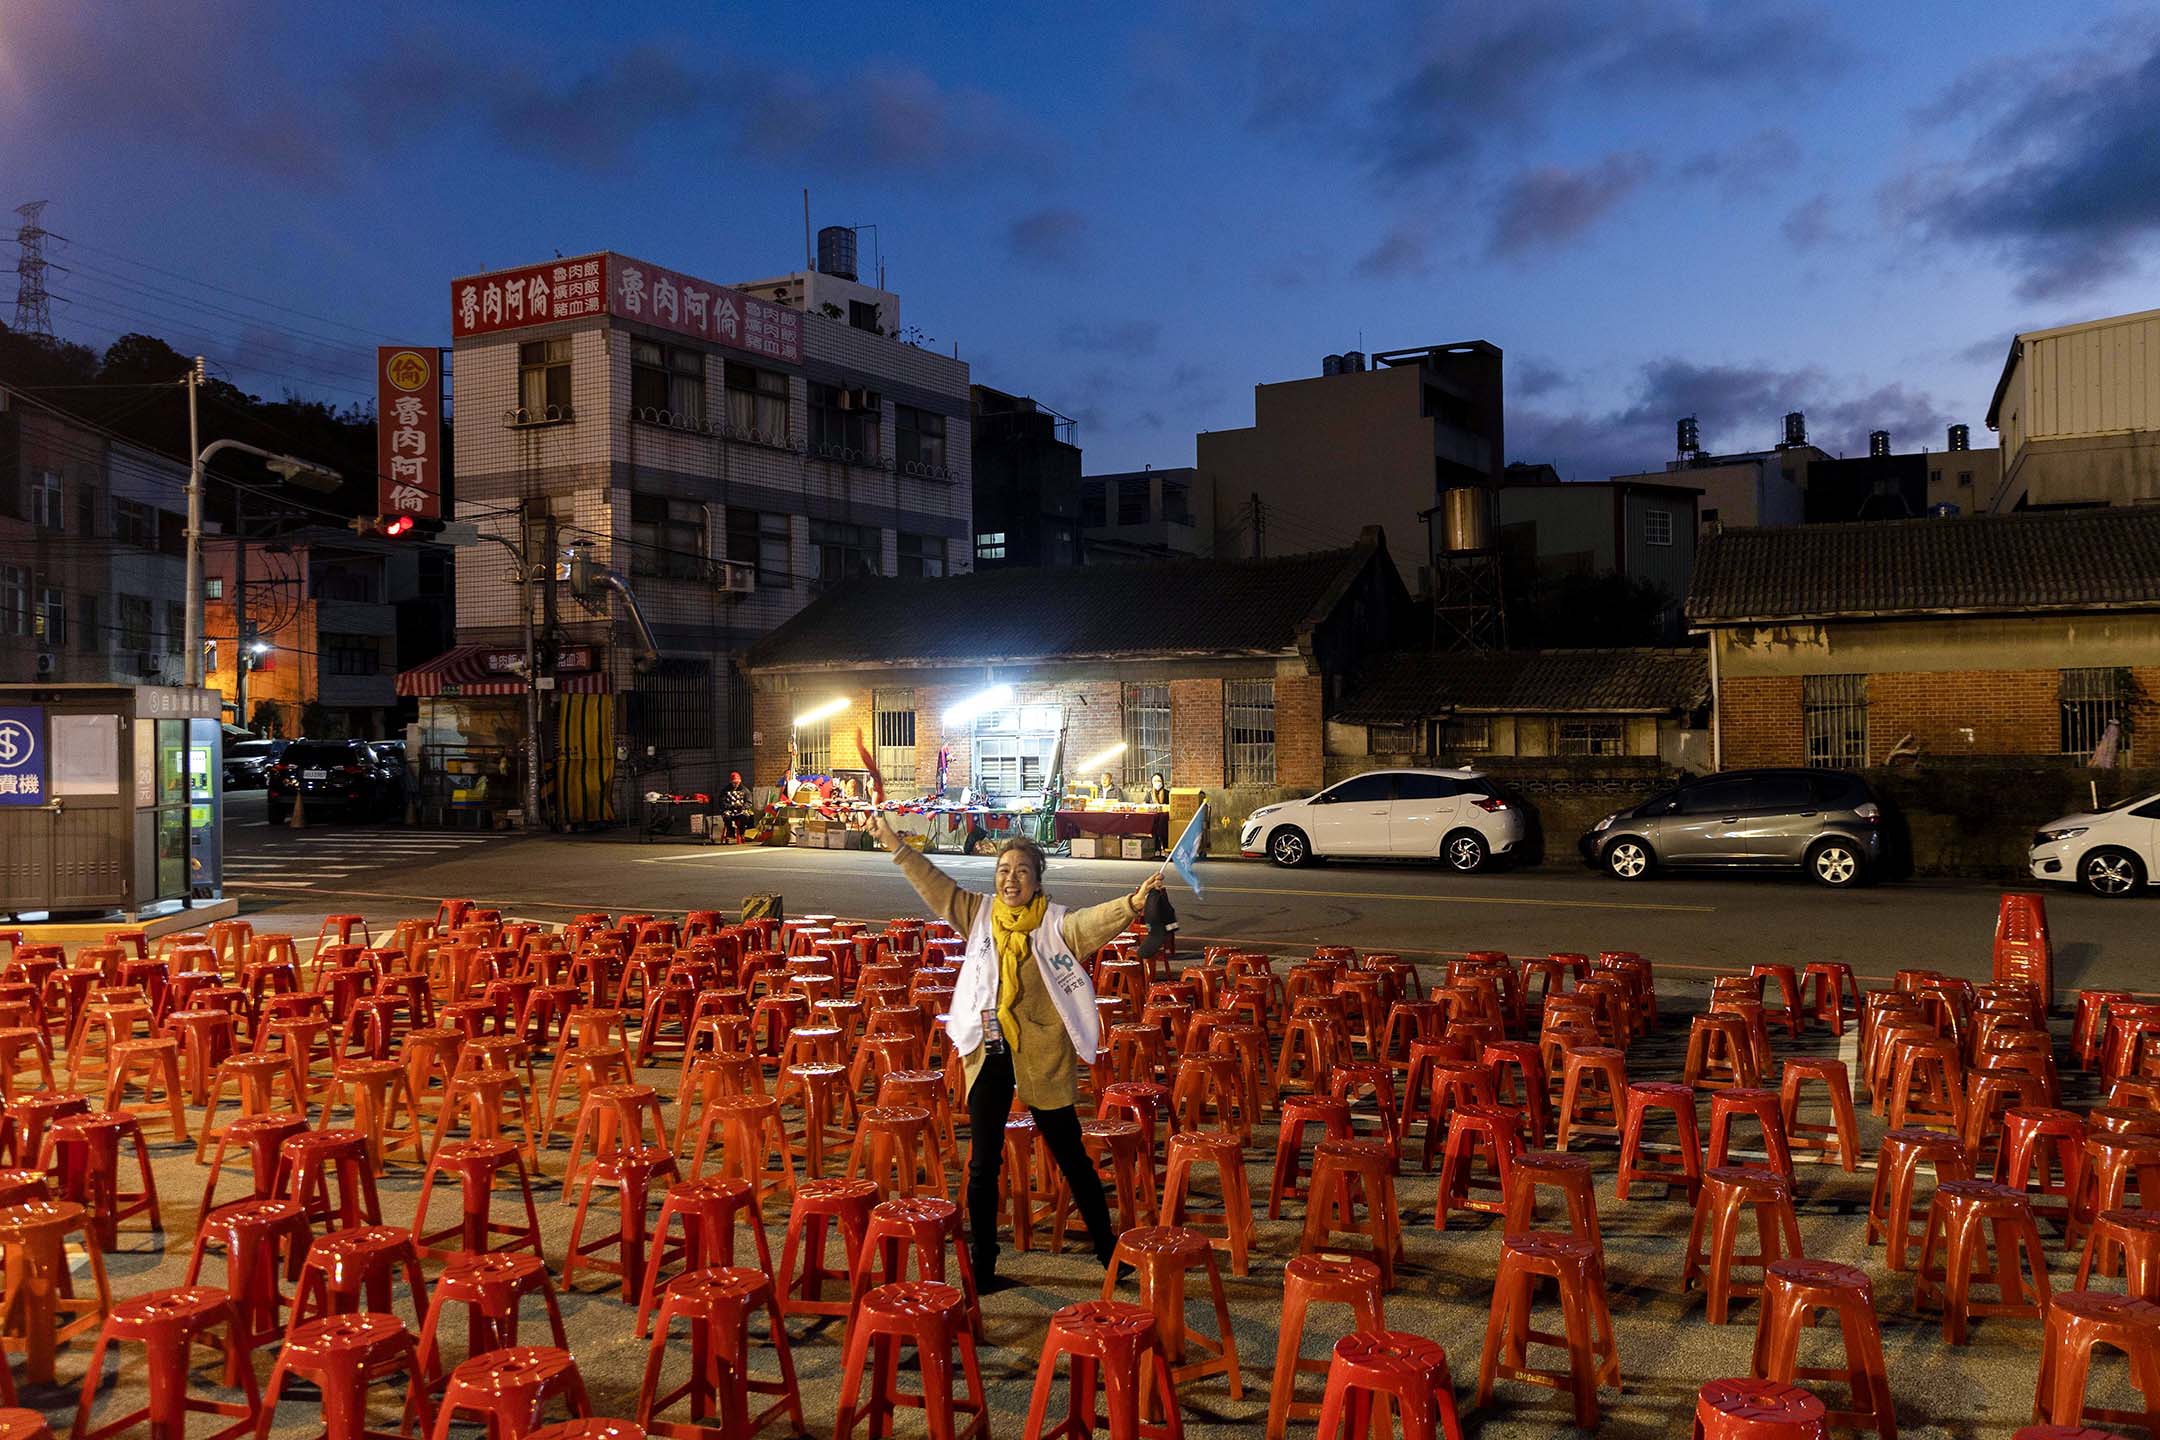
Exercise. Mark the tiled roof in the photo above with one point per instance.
(1177, 607)
(1404, 688)
(1994, 564)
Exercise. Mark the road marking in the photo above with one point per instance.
(717, 852)
(1467, 899)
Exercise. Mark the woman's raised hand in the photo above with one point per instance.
(886, 833)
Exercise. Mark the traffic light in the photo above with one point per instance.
(416, 526)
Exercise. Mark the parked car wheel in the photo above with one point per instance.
(1288, 846)
(1629, 858)
(2111, 873)
(1835, 863)
(1465, 852)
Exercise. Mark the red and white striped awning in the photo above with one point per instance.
(495, 670)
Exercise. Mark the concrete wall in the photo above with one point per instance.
(1329, 454)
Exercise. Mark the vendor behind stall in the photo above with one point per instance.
(735, 806)
(1158, 790)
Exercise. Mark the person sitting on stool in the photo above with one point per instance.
(735, 806)
(1023, 1013)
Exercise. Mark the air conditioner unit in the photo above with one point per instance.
(735, 577)
(148, 663)
(47, 663)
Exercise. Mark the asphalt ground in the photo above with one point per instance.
(1666, 1348)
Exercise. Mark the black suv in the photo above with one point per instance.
(344, 777)
(1827, 823)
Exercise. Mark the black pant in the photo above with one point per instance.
(989, 1103)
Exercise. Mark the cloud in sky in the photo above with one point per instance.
(1056, 236)
(1551, 205)
(2064, 184)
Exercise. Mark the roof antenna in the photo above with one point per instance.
(808, 261)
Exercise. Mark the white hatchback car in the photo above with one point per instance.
(2109, 852)
(1457, 816)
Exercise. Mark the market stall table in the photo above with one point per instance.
(1153, 823)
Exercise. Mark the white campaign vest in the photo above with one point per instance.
(1070, 988)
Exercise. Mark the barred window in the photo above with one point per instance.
(672, 705)
(1249, 731)
(351, 655)
(2092, 699)
(1147, 732)
(1591, 737)
(1833, 720)
(892, 718)
(739, 710)
(544, 379)
(1462, 735)
(667, 537)
(668, 379)
(813, 748)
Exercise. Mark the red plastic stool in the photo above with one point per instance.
(1309, 1280)
(1726, 1192)
(83, 1151)
(1963, 1219)
(492, 1288)
(717, 1304)
(476, 1164)
(354, 1271)
(1520, 1084)
(306, 1165)
(39, 1306)
(1832, 986)
(343, 1355)
(821, 1206)
(1592, 1093)
(1574, 1266)
(925, 1227)
(1684, 1172)
(1298, 1113)
(1410, 1370)
(1344, 1170)
(1161, 1257)
(1766, 1109)
(16, 1424)
(2078, 1321)
(509, 1388)
(1795, 1292)
(1536, 1170)
(1890, 1207)
(1757, 1410)
(255, 1237)
(1476, 1131)
(927, 1316)
(2130, 1238)
(634, 1174)
(1227, 1154)
(168, 1324)
(1106, 1338)
(710, 1210)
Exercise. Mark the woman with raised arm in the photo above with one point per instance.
(1023, 1017)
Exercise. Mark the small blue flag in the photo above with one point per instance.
(1187, 850)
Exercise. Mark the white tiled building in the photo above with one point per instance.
(728, 454)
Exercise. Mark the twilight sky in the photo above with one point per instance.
(1136, 212)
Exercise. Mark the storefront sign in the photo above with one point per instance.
(630, 290)
(22, 755)
(572, 657)
(408, 431)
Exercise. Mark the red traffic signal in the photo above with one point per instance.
(398, 525)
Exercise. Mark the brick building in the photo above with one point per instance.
(1218, 673)
(2020, 635)
(729, 451)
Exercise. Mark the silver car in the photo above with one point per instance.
(1826, 823)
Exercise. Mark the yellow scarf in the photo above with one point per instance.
(1010, 930)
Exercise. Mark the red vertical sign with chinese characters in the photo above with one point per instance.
(408, 431)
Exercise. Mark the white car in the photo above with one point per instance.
(1458, 816)
(2109, 852)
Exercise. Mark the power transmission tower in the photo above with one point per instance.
(33, 307)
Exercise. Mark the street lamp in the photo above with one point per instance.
(291, 468)
(821, 712)
(993, 698)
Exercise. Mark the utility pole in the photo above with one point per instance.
(527, 569)
(1259, 527)
(192, 628)
(241, 640)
